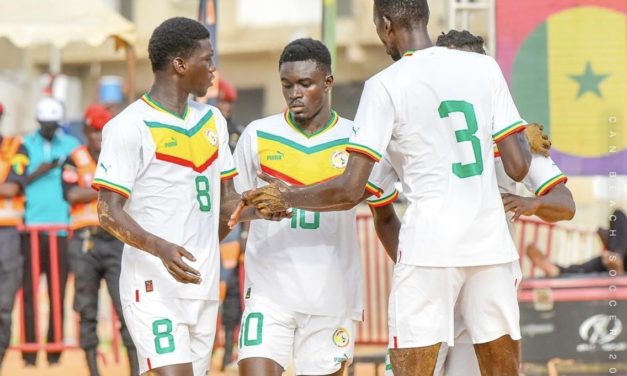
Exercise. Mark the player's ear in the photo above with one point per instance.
(179, 65)
(387, 24)
(328, 82)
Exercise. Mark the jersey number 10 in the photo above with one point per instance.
(299, 220)
(471, 169)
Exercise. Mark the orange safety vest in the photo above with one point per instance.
(84, 214)
(11, 209)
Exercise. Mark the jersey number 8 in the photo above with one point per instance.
(203, 193)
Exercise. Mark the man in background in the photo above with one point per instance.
(12, 162)
(232, 247)
(98, 253)
(227, 95)
(46, 206)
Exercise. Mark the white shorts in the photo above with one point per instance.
(423, 302)
(319, 344)
(172, 331)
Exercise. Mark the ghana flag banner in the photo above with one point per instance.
(566, 61)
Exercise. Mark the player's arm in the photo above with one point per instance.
(246, 159)
(116, 221)
(515, 155)
(118, 167)
(557, 205)
(388, 226)
(553, 202)
(228, 203)
(72, 192)
(340, 193)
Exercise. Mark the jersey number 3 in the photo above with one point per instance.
(471, 169)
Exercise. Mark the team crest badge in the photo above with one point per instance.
(341, 338)
(339, 159)
(212, 137)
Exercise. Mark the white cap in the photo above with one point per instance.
(49, 109)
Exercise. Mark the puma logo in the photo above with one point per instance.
(105, 168)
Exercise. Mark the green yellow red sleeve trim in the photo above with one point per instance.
(229, 174)
(363, 150)
(550, 184)
(384, 200)
(97, 184)
(516, 127)
(374, 190)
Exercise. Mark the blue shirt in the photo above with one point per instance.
(44, 197)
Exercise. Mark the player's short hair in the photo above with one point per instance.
(407, 13)
(307, 49)
(463, 40)
(175, 37)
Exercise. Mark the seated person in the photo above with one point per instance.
(612, 258)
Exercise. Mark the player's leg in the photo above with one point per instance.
(266, 338)
(184, 369)
(204, 315)
(160, 332)
(259, 367)
(323, 345)
(421, 316)
(489, 308)
(416, 361)
(498, 357)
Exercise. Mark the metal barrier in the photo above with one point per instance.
(377, 267)
(60, 342)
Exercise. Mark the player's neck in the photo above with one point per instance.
(172, 100)
(414, 39)
(315, 123)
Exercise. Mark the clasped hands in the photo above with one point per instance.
(268, 201)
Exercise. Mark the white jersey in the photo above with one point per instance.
(309, 263)
(169, 168)
(435, 114)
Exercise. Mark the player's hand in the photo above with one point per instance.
(519, 205)
(261, 214)
(172, 257)
(268, 199)
(538, 141)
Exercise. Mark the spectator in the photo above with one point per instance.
(99, 254)
(12, 163)
(45, 148)
(227, 95)
(233, 245)
(613, 257)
